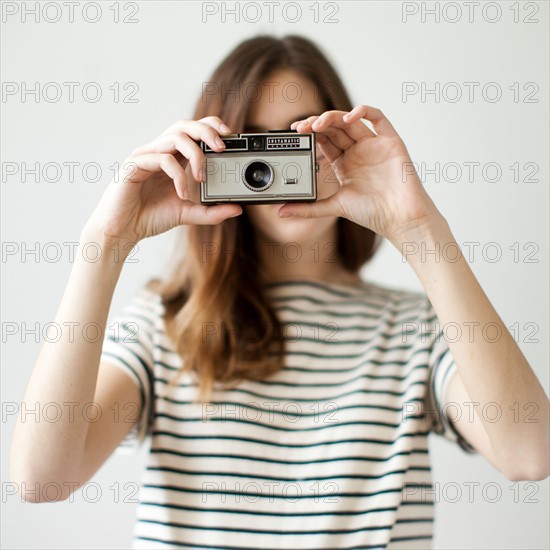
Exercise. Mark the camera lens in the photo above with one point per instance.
(258, 175)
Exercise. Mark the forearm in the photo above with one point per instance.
(491, 364)
(65, 373)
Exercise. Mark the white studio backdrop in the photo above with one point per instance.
(435, 69)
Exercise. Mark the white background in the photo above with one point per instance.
(169, 52)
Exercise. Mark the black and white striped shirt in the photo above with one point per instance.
(330, 452)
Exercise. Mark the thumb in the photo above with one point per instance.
(317, 209)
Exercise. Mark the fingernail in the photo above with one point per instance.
(224, 128)
(285, 214)
(219, 142)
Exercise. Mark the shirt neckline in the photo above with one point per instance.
(315, 283)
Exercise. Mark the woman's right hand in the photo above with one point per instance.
(151, 193)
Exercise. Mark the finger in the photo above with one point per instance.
(379, 121)
(198, 131)
(202, 214)
(217, 123)
(318, 209)
(157, 162)
(306, 122)
(177, 142)
(328, 148)
(340, 138)
(356, 130)
(328, 116)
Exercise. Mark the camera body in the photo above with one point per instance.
(273, 167)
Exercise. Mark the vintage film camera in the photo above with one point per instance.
(273, 167)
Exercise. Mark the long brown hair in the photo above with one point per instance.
(217, 314)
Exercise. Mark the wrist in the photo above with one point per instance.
(429, 230)
(96, 246)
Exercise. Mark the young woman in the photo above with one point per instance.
(288, 402)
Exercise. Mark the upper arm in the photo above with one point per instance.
(465, 418)
(118, 399)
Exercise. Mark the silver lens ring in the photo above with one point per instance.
(257, 166)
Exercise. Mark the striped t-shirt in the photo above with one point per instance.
(329, 452)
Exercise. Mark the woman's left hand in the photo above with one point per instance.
(379, 187)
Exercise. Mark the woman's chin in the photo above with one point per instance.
(296, 229)
(285, 230)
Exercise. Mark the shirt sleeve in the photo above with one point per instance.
(128, 345)
(441, 367)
